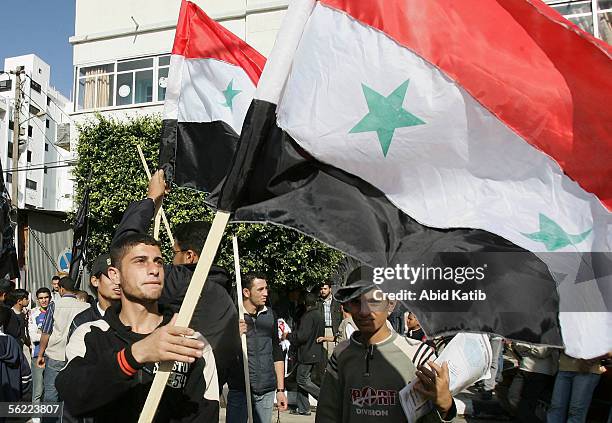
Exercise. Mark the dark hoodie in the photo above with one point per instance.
(104, 383)
(15, 374)
(215, 316)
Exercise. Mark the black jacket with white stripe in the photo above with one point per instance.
(104, 383)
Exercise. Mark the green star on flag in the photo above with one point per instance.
(229, 93)
(553, 236)
(386, 115)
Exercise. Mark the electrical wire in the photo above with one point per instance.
(38, 168)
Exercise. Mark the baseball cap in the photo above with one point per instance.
(101, 265)
(359, 281)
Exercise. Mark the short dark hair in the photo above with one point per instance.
(250, 277)
(43, 290)
(310, 300)
(55, 278)
(328, 283)
(120, 248)
(191, 235)
(68, 284)
(19, 294)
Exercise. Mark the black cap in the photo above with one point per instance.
(359, 281)
(101, 265)
(67, 283)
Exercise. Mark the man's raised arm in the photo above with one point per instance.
(137, 217)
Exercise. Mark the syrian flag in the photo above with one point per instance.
(211, 82)
(444, 134)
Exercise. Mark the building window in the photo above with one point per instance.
(6, 85)
(47, 123)
(123, 83)
(11, 125)
(10, 150)
(45, 169)
(30, 130)
(29, 156)
(9, 177)
(96, 86)
(46, 146)
(162, 76)
(48, 101)
(30, 184)
(595, 17)
(34, 110)
(35, 86)
(134, 82)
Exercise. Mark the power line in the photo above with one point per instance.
(25, 169)
(53, 101)
(47, 163)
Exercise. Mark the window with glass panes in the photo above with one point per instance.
(123, 83)
(593, 16)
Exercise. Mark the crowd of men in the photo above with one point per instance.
(342, 346)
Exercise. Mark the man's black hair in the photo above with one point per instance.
(68, 284)
(45, 290)
(55, 278)
(310, 300)
(328, 283)
(191, 235)
(250, 277)
(5, 316)
(19, 294)
(120, 248)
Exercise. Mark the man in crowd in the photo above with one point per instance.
(215, 316)
(330, 310)
(14, 370)
(108, 292)
(12, 326)
(266, 358)
(35, 323)
(20, 299)
(310, 352)
(55, 294)
(114, 360)
(366, 373)
(52, 348)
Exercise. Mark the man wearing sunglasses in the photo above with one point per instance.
(366, 373)
(108, 292)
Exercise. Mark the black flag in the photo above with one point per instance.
(8, 253)
(79, 243)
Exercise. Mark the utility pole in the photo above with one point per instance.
(16, 132)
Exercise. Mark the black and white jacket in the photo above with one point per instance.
(102, 381)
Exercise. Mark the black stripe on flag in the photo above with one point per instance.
(273, 180)
(196, 154)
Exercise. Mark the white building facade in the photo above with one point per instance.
(43, 169)
(121, 48)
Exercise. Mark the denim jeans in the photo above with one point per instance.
(37, 382)
(305, 386)
(236, 411)
(571, 397)
(51, 370)
(496, 351)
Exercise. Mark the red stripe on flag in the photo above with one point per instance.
(537, 72)
(200, 37)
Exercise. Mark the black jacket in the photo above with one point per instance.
(103, 382)
(215, 316)
(336, 314)
(88, 315)
(305, 338)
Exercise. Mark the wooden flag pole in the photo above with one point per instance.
(198, 279)
(245, 356)
(161, 212)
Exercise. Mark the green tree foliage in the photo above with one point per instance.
(107, 149)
